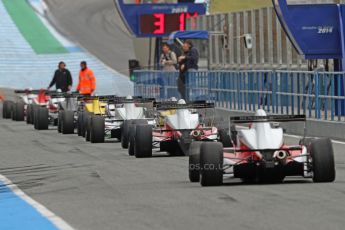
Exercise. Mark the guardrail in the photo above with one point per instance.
(319, 95)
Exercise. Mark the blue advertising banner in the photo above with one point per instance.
(314, 30)
(317, 32)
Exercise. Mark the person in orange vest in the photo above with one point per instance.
(87, 80)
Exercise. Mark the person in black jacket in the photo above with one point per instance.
(188, 62)
(62, 78)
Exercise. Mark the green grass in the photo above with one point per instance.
(237, 5)
(32, 28)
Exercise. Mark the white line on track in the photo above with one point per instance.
(56, 220)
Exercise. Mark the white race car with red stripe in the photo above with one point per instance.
(260, 154)
(181, 126)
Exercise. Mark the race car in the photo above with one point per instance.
(260, 154)
(183, 124)
(63, 108)
(17, 111)
(113, 117)
(22, 109)
(46, 108)
(87, 107)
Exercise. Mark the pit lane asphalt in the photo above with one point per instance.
(98, 186)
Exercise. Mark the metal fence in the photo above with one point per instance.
(319, 95)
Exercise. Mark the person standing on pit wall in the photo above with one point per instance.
(188, 62)
(87, 80)
(62, 78)
(168, 58)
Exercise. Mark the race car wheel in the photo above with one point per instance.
(80, 124)
(11, 110)
(97, 130)
(67, 124)
(124, 133)
(42, 118)
(28, 114)
(321, 151)
(88, 118)
(32, 115)
(194, 161)
(6, 110)
(85, 117)
(131, 137)
(59, 125)
(224, 138)
(143, 141)
(19, 113)
(211, 161)
(4, 107)
(36, 108)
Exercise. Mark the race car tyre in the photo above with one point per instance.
(11, 110)
(88, 118)
(85, 122)
(67, 124)
(32, 115)
(19, 114)
(224, 138)
(211, 161)
(28, 114)
(42, 118)
(321, 151)
(80, 124)
(6, 110)
(35, 122)
(97, 131)
(124, 133)
(12, 106)
(194, 161)
(143, 141)
(59, 125)
(131, 137)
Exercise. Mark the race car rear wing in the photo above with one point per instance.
(136, 100)
(113, 99)
(55, 94)
(190, 105)
(31, 91)
(99, 97)
(269, 118)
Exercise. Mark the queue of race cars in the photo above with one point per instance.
(252, 148)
